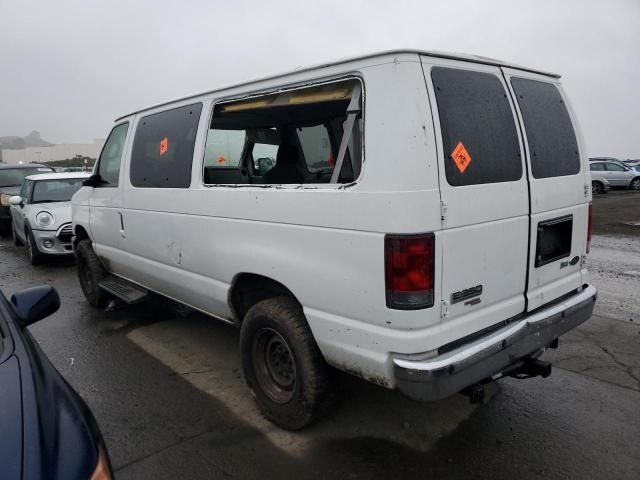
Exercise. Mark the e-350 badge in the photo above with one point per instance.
(467, 293)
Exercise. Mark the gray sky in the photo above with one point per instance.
(70, 67)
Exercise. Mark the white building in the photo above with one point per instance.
(52, 153)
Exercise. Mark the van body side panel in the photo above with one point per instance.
(323, 242)
(555, 197)
(485, 227)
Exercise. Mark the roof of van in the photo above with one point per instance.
(428, 53)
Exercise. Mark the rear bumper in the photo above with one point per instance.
(483, 358)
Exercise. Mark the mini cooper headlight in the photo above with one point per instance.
(44, 219)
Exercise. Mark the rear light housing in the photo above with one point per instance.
(409, 271)
(589, 227)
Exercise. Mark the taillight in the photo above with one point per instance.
(589, 227)
(409, 270)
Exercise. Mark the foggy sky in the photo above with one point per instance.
(69, 68)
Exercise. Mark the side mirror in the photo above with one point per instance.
(34, 304)
(15, 200)
(93, 181)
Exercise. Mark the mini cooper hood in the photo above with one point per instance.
(60, 210)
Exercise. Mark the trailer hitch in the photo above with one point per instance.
(531, 367)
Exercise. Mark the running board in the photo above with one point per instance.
(126, 291)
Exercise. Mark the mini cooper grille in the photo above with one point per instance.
(65, 232)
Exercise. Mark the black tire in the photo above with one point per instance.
(596, 188)
(635, 184)
(35, 257)
(5, 229)
(90, 273)
(16, 241)
(282, 364)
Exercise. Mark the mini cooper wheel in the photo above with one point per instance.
(282, 364)
(596, 188)
(16, 241)
(90, 273)
(35, 257)
(635, 184)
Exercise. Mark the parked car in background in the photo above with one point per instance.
(41, 214)
(616, 172)
(407, 238)
(599, 182)
(46, 429)
(11, 179)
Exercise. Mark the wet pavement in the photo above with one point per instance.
(168, 393)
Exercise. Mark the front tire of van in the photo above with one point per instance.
(90, 273)
(282, 363)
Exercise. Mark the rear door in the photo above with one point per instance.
(485, 202)
(559, 183)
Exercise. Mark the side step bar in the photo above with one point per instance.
(126, 291)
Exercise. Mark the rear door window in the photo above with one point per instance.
(162, 152)
(614, 167)
(553, 148)
(479, 133)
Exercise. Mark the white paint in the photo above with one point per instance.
(326, 244)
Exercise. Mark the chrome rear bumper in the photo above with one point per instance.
(494, 353)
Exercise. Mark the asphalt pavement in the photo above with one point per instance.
(168, 393)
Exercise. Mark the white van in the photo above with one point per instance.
(417, 219)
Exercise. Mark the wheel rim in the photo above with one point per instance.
(274, 365)
(636, 184)
(595, 188)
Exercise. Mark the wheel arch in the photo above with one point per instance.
(248, 288)
(79, 233)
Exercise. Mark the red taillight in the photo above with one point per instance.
(589, 227)
(409, 269)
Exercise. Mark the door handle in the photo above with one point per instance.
(121, 224)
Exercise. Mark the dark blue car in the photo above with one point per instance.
(46, 429)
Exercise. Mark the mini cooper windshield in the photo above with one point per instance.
(46, 191)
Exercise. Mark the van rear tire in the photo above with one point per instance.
(282, 363)
(90, 274)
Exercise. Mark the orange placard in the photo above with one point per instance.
(461, 157)
(222, 160)
(164, 145)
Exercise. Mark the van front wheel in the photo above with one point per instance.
(282, 364)
(90, 273)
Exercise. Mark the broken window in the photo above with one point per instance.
(301, 136)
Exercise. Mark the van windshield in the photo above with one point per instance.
(47, 191)
(13, 177)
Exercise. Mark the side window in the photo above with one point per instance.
(224, 148)
(614, 167)
(163, 147)
(316, 147)
(291, 137)
(553, 147)
(479, 133)
(596, 167)
(111, 156)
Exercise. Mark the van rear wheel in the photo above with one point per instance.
(90, 273)
(282, 364)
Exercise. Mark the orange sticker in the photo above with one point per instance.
(461, 157)
(164, 145)
(222, 160)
